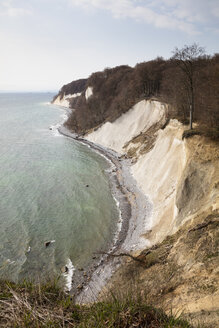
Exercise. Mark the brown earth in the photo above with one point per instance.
(181, 274)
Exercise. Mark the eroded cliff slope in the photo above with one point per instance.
(125, 109)
(181, 178)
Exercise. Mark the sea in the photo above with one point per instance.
(52, 189)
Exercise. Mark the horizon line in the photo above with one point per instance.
(28, 91)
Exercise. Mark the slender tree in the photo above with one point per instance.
(187, 60)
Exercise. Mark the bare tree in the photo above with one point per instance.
(187, 60)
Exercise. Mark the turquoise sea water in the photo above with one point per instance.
(43, 193)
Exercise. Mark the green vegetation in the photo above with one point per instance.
(28, 305)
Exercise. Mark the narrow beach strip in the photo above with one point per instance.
(134, 209)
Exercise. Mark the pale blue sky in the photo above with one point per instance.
(47, 43)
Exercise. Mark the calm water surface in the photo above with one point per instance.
(43, 193)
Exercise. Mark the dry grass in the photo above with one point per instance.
(212, 133)
(28, 305)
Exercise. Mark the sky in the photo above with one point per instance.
(48, 43)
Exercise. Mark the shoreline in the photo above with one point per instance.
(134, 209)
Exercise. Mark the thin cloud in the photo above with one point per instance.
(8, 8)
(184, 15)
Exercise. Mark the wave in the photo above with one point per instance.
(54, 128)
(68, 274)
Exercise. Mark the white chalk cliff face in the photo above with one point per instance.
(157, 171)
(88, 92)
(181, 179)
(139, 118)
(64, 102)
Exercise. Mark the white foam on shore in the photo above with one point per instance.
(54, 128)
(45, 103)
(108, 160)
(69, 274)
(9, 261)
(110, 170)
(119, 223)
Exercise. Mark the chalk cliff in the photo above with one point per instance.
(69, 92)
(65, 100)
(180, 176)
(163, 164)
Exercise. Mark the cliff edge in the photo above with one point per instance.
(179, 174)
(181, 178)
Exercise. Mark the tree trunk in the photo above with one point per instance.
(190, 117)
(192, 105)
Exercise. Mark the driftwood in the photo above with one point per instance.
(135, 258)
(201, 226)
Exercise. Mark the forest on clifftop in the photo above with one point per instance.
(116, 90)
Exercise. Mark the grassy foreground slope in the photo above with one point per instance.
(28, 305)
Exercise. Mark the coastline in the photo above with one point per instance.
(134, 209)
(179, 175)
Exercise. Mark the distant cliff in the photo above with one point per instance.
(68, 92)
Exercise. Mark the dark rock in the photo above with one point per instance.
(47, 243)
